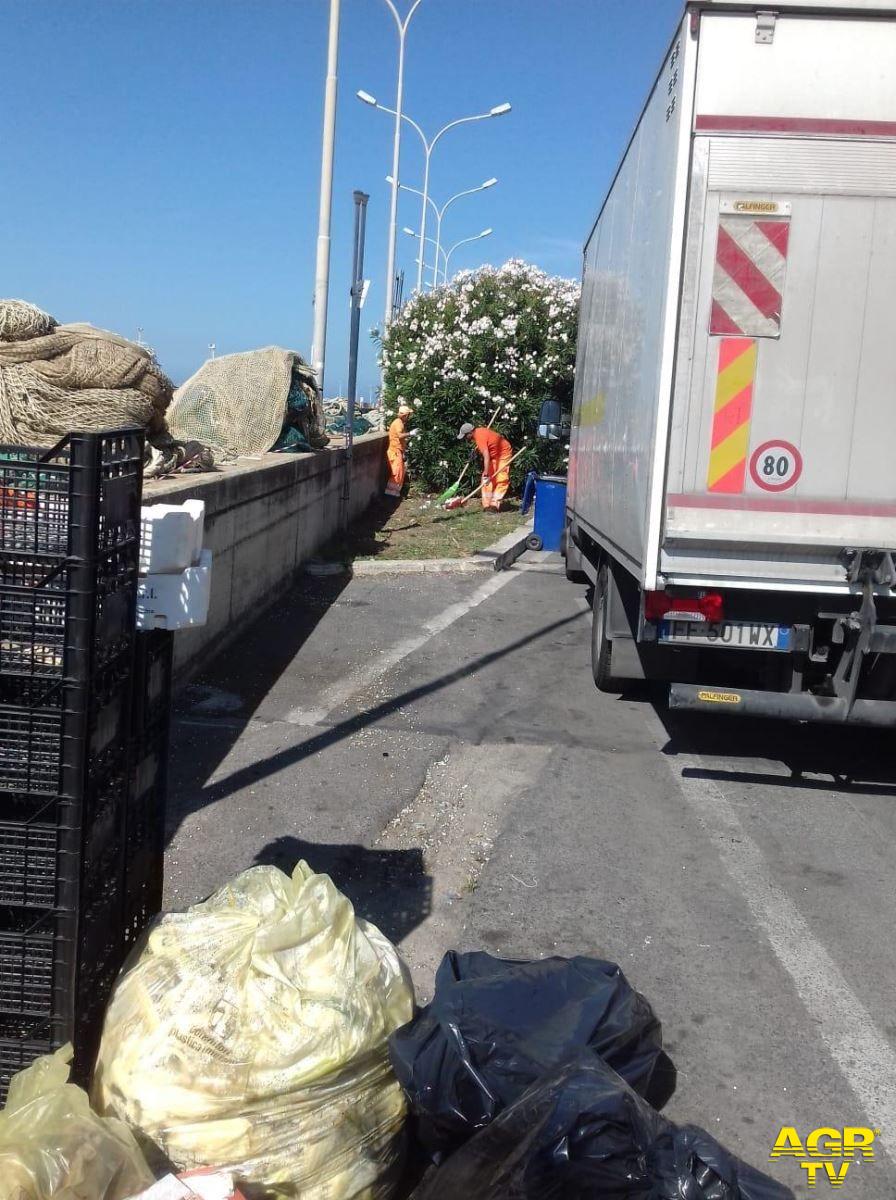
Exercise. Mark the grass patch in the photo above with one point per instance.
(415, 529)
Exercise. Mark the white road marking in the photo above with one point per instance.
(356, 681)
(864, 1056)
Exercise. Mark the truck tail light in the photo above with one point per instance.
(659, 606)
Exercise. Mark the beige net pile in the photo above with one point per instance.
(56, 378)
(237, 404)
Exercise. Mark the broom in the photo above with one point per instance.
(460, 501)
(452, 491)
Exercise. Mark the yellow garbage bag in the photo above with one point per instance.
(53, 1147)
(250, 1035)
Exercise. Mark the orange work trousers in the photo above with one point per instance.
(395, 483)
(498, 482)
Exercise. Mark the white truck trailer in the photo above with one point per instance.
(732, 476)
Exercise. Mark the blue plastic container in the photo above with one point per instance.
(550, 510)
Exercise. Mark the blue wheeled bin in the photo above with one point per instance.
(550, 509)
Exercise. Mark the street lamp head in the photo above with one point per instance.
(411, 232)
(367, 98)
(490, 182)
(389, 179)
(486, 232)
(498, 110)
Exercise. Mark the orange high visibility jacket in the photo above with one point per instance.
(396, 429)
(487, 440)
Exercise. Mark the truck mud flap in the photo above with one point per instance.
(789, 706)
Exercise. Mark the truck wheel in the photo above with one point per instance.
(571, 557)
(601, 645)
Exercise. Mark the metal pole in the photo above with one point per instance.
(429, 146)
(393, 202)
(440, 212)
(402, 27)
(361, 199)
(438, 247)
(463, 242)
(322, 269)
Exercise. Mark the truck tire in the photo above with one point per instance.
(570, 558)
(601, 645)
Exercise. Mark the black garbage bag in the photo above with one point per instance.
(495, 1027)
(581, 1133)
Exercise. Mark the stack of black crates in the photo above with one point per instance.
(83, 741)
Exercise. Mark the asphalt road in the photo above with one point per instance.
(436, 744)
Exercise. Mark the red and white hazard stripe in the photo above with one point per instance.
(748, 283)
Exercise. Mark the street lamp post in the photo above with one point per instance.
(322, 267)
(402, 28)
(428, 146)
(463, 242)
(468, 192)
(440, 212)
(432, 241)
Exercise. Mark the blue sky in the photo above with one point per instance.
(161, 158)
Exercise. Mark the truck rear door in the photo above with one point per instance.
(783, 439)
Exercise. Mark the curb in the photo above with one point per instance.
(504, 553)
(497, 557)
(420, 566)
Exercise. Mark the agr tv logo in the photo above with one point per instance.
(828, 1153)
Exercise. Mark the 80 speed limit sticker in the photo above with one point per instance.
(776, 465)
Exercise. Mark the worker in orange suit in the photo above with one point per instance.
(395, 451)
(496, 454)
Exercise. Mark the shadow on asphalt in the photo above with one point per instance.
(390, 887)
(194, 793)
(236, 682)
(847, 757)
(852, 757)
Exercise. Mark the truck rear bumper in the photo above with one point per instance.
(791, 706)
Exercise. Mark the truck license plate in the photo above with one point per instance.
(729, 635)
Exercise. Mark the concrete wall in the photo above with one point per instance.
(263, 519)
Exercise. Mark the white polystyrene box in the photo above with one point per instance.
(171, 536)
(175, 601)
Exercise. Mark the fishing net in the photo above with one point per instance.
(237, 404)
(55, 378)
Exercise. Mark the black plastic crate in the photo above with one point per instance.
(50, 960)
(32, 623)
(27, 961)
(80, 497)
(16, 1054)
(69, 549)
(63, 624)
(31, 843)
(30, 749)
(150, 722)
(58, 740)
(145, 830)
(153, 672)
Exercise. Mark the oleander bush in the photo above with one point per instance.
(492, 339)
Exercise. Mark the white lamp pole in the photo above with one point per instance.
(468, 192)
(463, 242)
(428, 146)
(432, 241)
(404, 187)
(402, 28)
(440, 212)
(322, 268)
